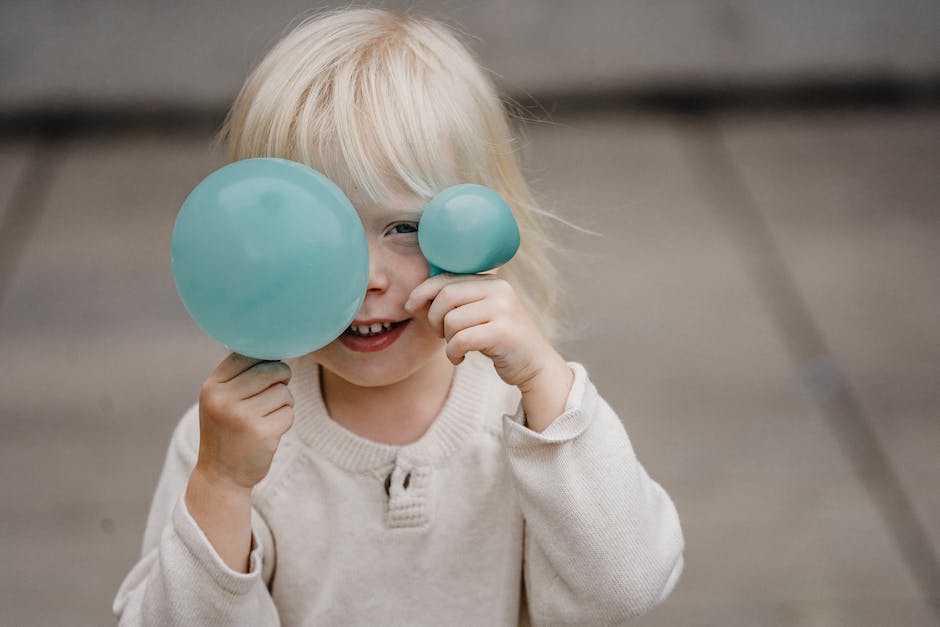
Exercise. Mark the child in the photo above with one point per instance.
(439, 463)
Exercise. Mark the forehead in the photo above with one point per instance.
(376, 184)
(394, 206)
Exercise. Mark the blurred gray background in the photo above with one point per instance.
(762, 307)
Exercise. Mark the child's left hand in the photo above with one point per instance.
(483, 313)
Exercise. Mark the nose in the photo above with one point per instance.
(378, 276)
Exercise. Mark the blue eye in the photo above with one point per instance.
(404, 228)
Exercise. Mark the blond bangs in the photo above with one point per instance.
(371, 107)
(391, 105)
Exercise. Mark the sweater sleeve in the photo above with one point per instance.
(180, 579)
(602, 539)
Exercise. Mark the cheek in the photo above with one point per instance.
(411, 270)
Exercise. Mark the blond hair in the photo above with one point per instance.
(391, 103)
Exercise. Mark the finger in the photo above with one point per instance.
(259, 377)
(465, 316)
(425, 292)
(429, 289)
(280, 420)
(478, 338)
(269, 400)
(232, 366)
(452, 297)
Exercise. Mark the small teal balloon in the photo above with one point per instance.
(270, 258)
(467, 229)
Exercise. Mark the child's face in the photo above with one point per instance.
(403, 344)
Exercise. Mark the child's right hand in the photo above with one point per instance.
(244, 409)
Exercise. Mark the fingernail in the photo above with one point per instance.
(408, 306)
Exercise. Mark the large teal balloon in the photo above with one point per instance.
(466, 229)
(270, 258)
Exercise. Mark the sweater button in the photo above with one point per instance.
(388, 483)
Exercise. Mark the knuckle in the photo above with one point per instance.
(241, 417)
(207, 392)
(504, 293)
(434, 311)
(503, 286)
(213, 403)
(288, 419)
(256, 431)
(459, 342)
(279, 423)
(450, 321)
(507, 295)
(445, 292)
(223, 412)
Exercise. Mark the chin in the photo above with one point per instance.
(379, 369)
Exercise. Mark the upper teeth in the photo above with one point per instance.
(366, 329)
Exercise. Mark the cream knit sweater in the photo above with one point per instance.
(480, 522)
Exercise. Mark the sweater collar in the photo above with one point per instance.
(459, 417)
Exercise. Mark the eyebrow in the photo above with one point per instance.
(401, 215)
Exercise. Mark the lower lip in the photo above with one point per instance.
(375, 343)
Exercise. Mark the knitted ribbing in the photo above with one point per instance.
(458, 419)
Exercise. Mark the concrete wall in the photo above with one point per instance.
(112, 53)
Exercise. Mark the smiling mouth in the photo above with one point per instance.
(362, 339)
(372, 330)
